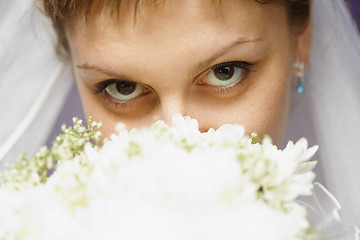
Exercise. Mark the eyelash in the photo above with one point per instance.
(122, 104)
(244, 65)
(247, 67)
(100, 87)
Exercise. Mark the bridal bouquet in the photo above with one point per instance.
(158, 183)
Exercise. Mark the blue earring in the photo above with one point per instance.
(300, 66)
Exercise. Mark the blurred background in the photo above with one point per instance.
(355, 7)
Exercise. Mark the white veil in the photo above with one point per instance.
(328, 113)
(35, 85)
(33, 82)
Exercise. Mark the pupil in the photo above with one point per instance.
(125, 87)
(224, 73)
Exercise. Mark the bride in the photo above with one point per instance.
(288, 70)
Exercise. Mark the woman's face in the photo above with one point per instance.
(228, 63)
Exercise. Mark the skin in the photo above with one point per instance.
(171, 50)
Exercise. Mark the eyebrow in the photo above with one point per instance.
(88, 66)
(210, 61)
(199, 67)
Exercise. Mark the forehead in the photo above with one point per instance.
(150, 17)
(174, 30)
(85, 9)
(99, 13)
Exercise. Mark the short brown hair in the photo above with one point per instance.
(65, 11)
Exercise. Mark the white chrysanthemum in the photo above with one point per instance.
(289, 177)
(167, 183)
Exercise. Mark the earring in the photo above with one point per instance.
(300, 66)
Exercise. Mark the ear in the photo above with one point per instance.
(303, 39)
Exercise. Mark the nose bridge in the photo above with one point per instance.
(170, 104)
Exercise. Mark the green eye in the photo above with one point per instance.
(124, 90)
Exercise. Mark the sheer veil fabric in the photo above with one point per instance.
(33, 81)
(35, 87)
